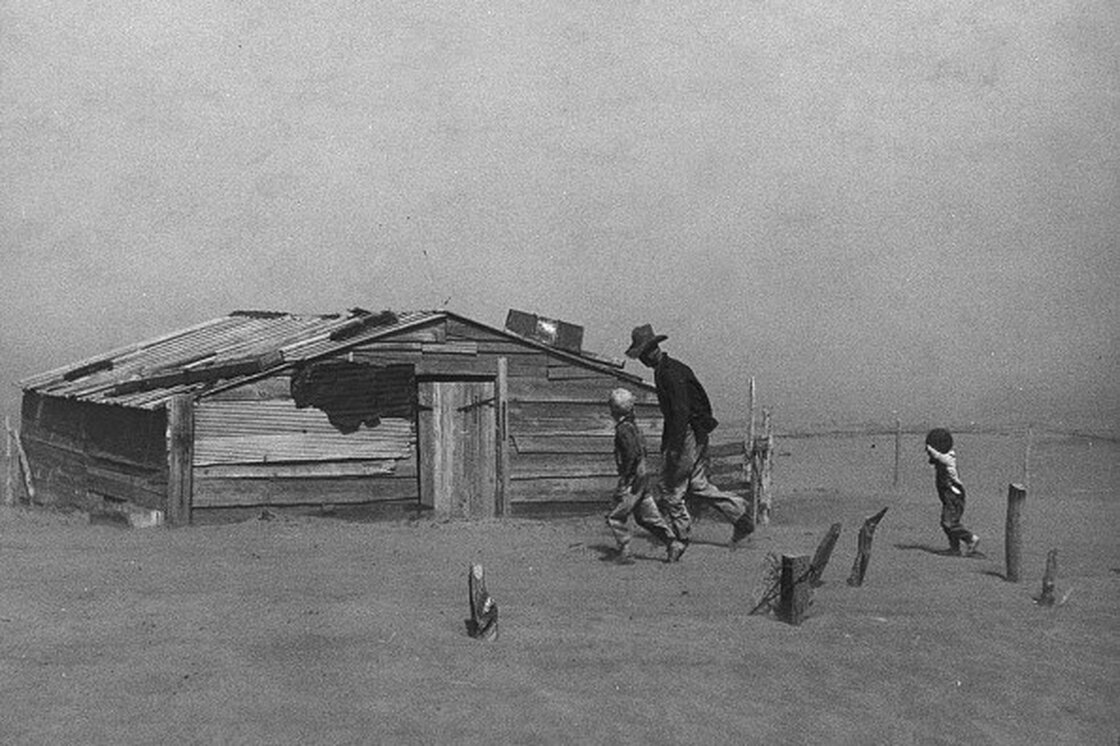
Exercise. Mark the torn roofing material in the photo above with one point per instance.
(244, 345)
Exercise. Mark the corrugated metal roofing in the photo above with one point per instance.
(145, 375)
(226, 351)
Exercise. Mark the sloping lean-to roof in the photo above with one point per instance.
(225, 351)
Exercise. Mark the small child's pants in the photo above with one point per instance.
(952, 510)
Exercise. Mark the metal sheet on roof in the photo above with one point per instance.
(240, 335)
(287, 338)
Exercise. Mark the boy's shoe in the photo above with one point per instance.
(624, 557)
(676, 549)
(743, 528)
(970, 546)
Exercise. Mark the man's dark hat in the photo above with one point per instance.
(643, 338)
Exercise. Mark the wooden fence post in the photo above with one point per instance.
(897, 449)
(24, 465)
(502, 415)
(762, 457)
(1049, 578)
(824, 552)
(1016, 494)
(863, 548)
(180, 459)
(796, 590)
(483, 624)
(9, 491)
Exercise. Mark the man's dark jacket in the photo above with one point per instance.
(683, 401)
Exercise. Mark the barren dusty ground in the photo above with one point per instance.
(323, 631)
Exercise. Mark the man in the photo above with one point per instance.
(687, 422)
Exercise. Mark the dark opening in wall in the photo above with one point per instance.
(352, 394)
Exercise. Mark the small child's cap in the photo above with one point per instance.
(940, 440)
(621, 400)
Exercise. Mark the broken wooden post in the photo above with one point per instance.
(1016, 494)
(180, 459)
(796, 591)
(863, 551)
(824, 552)
(1046, 598)
(9, 491)
(483, 623)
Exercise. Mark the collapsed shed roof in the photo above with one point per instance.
(230, 350)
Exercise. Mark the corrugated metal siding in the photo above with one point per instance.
(246, 432)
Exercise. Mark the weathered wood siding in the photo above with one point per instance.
(561, 431)
(253, 446)
(83, 453)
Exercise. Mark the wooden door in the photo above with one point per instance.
(457, 442)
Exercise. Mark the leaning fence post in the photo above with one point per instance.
(1016, 494)
(824, 552)
(863, 548)
(24, 464)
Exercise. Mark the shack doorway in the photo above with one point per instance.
(456, 432)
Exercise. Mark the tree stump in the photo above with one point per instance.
(483, 624)
(824, 552)
(1046, 598)
(863, 553)
(796, 591)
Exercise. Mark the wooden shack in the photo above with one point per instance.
(426, 411)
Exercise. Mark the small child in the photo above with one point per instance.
(950, 489)
(632, 495)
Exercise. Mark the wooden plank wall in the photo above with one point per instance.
(254, 447)
(83, 454)
(561, 431)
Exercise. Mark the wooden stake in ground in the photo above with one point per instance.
(483, 623)
(1046, 598)
(9, 492)
(796, 591)
(24, 465)
(762, 460)
(824, 552)
(1016, 494)
(897, 450)
(863, 551)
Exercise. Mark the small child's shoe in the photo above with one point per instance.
(970, 546)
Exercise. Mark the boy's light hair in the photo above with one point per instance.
(621, 401)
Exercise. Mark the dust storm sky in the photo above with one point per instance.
(873, 208)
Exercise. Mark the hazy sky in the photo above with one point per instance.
(872, 208)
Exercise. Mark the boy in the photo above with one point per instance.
(950, 489)
(632, 495)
